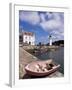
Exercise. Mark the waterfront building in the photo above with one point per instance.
(27, 38)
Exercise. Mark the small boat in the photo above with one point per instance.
(41, 68)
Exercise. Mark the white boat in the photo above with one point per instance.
(41, 68)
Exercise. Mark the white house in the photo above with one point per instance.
(27, 38)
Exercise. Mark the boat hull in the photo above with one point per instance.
(34, 73)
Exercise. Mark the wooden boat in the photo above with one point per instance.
(41, 68)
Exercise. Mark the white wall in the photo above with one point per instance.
(29, 39)
(50, 42)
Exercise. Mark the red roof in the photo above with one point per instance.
(28, 33)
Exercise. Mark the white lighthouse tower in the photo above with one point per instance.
(50, 40)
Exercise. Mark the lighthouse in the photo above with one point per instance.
(50, 40)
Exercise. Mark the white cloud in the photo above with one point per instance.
(31, 17)
(42, 17)
(54, 25)
(55, 32)
(50, 22)
(51, 25)
(57, 35)
(54, 22)
(49, 15)
(56, 16)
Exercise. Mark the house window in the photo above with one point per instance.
(25, 37)
(26, 42)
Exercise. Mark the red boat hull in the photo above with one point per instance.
(34, 73)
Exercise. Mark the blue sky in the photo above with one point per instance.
(42, 24)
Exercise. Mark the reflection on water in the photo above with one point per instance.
(57, 56)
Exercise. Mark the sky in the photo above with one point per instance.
(42, 24)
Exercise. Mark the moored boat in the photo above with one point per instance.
(41, 68)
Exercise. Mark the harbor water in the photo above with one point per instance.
(56, 55)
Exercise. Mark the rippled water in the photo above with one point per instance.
(56, 55)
